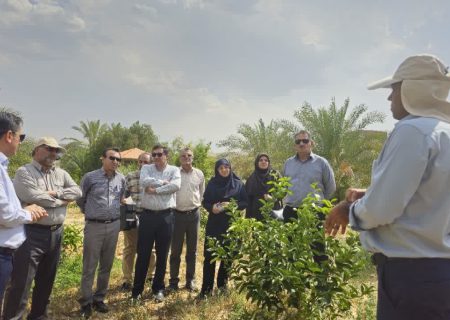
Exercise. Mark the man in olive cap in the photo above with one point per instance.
(40, 182)
(404, 216)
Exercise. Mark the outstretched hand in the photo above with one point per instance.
(338, 219)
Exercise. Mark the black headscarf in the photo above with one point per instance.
(257, 182)
(227, 186)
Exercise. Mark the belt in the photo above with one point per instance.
(7, 251)
(157, 211)
(380, 259)
(51, 227)
(102, 220)
(188, 211)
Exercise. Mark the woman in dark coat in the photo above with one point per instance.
(223, 187)
(257, 187)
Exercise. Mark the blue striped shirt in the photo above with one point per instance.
(12, 216)
(101, 195)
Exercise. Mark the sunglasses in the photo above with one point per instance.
(114, 158)
(22, 137)
(50, 149)
(157, 154)
(298, 141)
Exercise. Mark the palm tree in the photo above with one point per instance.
(341, 137)
(274, 138)
(91, 131)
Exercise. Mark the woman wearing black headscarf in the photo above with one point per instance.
(257, 187)
(223, 187)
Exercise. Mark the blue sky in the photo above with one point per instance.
(197, 68)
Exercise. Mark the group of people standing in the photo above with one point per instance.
(167, 201)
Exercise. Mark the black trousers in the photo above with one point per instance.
(36, 259)
(209, 270)
(155, 228)
(413, 289)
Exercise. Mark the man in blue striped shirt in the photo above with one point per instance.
(103, 191)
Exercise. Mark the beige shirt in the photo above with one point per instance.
(191, 191)
(32, 185)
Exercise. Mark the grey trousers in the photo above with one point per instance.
(36, 259)
(99, 248)
(185, 224)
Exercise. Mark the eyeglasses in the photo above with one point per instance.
(114, 158)
(157, 154)
(298, 141)
(50, 149)
(22, 137)
(186, 156)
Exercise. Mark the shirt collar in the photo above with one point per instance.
(39, 167)
(104, 172)
(4, 160)
(311, 156)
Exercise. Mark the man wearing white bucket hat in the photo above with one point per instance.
(404, 216)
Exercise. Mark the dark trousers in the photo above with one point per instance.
(413, 289)
(185, 224)
(209, 269)
(36, 259)
(154, 228)
(6, 267)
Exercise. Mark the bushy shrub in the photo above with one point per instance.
(273, 262)
(72, 239)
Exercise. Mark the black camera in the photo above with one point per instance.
(128, 218)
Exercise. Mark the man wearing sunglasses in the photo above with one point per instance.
(12, 216)
(159, 181)
(103, 192)
(42, 183)
(130, 236)
(304, 169)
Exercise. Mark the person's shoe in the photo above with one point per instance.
(135, 300)
(173, 287)
(100, 306)
(126, 286)
(159, 296)
(190, 286)
(203, 295)
(86, 311)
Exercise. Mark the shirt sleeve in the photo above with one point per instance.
(10, 215)
(202, 184)
(395, 179)
(173, 185)
(329, 183)
(84, 185)
(29, 192)
(71, 190)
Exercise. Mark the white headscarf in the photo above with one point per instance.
(425, 86)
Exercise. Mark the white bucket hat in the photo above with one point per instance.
(425, 86)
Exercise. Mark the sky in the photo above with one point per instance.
(198, 68)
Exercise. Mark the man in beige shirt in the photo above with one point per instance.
(187, 220)
(40, 182)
